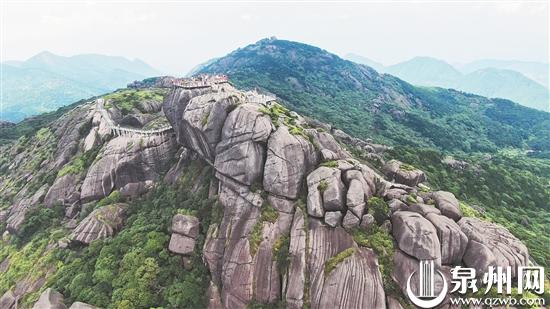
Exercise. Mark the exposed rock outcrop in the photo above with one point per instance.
(453, 240)
(100, 223)
(492, 245)
(289, 158)
(50, 299)
(185, 230)
(415, 235)
(125, 160)
(448, 204)
(403, 173)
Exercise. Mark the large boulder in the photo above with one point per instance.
(403, 173)
(50, 299)
(448, 204)
(240, 154)
(328, 146)
(100, 223)
(325, 191)
(453, 240)
(181, 244)
(185, 230)
(185, 225)
(415, 235)
(289, 159)
(127, 160)
(492, 245)
(65, 190)
(355, 197)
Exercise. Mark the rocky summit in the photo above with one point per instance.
(205, 195)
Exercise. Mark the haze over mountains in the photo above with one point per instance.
(47, 81)
(520, 81)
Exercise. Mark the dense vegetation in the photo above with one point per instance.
(133, 269)
(424, 123)
(507, 187)
(365, 104)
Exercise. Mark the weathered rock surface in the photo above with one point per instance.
(410, 177)
(185, 225)
(355, 283)
(350, 220)
(355, 197)
(21, 206)
(289, 159)
(423, 209)
(181, 244)
(325, 191)
(124, 161)
(297, 262)
(491, 245)
(367, 221)
(8, 300)
(185, 230)
(50, 299)
(65, 191)
(333, 218)
(100, 223)
(453, 240)
(239, 153)
(415, 235)
(448, 204)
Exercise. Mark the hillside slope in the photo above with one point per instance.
(240, 203)
(364, 103)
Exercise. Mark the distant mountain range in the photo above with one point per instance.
(47, 81)
(519, 81)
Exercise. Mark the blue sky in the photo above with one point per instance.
(176, 35)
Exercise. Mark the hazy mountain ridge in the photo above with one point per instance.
(46, 81)
(367, 104)
(500, 79)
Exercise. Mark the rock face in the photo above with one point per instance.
(264, 157)
(297, 262)
(185, 230)
(240, 154)
(21, 206)
(448, 204)
(289, 157)
(125, 161)
(415, 235)
(453, 240)
(343, 288)
(50, 299)
(325, 191)
(100, 223)
(65, 191)
(491, 245)
(404, 174)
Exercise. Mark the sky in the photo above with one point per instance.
(174, 36)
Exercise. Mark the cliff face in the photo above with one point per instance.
(267, 158)
(304, 222)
